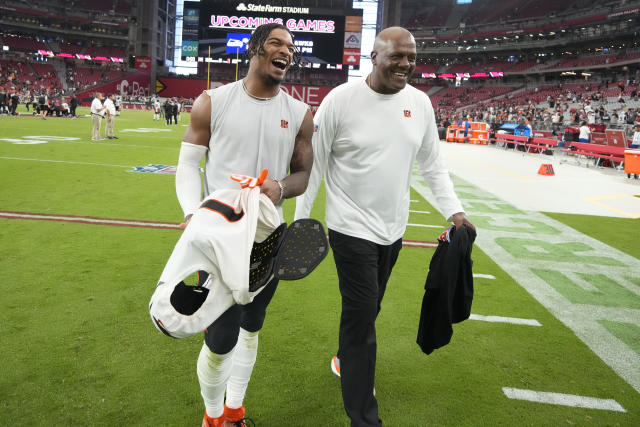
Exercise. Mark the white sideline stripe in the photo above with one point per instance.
(414, 201)
(426, 225)
(65, 161)
(563, 399)
(483, 276)
(101, 221)
(424, 212)
(499, 319)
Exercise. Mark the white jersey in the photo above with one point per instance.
(365, 144)
(248, 135)
(218, 240)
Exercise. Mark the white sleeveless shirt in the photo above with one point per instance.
(248, 135)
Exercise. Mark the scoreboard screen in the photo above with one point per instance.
(322, 36)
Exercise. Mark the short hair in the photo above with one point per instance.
(109, 94)
(583, 123)
(260, 36)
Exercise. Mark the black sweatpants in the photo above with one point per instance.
(363, 271)
(222, 335)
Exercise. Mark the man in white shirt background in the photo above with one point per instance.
(367, 136)
(110, 109)
(97, 112)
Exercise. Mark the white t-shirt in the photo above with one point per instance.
(96, 107)
(584, 132)
(365, 145)
(248, 135)
(636, 138)
(110, 106)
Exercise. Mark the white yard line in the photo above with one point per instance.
(63, 161)
(483, 276)
(500, 319)
(563, 399)
(425, 225)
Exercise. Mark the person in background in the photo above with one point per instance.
(585, 132)
(73, 104)
(110, 109)
(635, 142)
(97, 112)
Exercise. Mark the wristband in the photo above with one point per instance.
(281, 191)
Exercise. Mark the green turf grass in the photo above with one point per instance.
(620, 233)
(78, 347)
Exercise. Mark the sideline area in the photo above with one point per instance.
(575, 188)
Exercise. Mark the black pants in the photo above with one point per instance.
(222, 335)
(363, 271)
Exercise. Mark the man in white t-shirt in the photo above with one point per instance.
(110, 109)
(244, 127)
(97, 112)
(585, 132)
(368, 134)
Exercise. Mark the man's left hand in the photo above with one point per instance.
(460, 218)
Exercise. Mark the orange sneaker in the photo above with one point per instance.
(335, 365)
(235, 417)
(207, 421)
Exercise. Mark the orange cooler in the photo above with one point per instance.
(632, 161)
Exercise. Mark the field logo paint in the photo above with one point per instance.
(37, 139)
(146, 130)
(589, 286)
(154, 168)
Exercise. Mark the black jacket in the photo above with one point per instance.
(448, 289)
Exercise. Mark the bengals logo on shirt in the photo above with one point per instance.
(284, 124)
(407, 113)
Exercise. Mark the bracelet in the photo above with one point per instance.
(281, 192)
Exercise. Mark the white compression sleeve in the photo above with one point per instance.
(188, 184)
(244, 358)
(213, 374)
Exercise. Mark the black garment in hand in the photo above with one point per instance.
(448, 289)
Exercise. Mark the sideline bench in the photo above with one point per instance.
(541, 144)
(598, 152)
(516, 140)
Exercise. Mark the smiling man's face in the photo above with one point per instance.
(394, 60)
(277, 55)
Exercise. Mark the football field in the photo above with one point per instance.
(87, 227)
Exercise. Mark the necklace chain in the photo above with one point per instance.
(253, 96)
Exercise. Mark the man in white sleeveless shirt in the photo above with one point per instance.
(368, 134)
(242, 128)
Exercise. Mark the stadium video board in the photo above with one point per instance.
(322, 36)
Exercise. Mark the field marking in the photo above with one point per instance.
(419, 244)
(563, 399)
(142, 224)
(414, 201)
(425, 225)
(596, 201)
(90, 220)
(64, 161)
(500, 319)
(422, 212)
(483, 276)
(112, 144)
